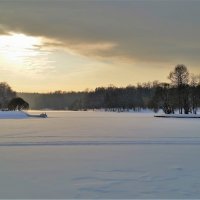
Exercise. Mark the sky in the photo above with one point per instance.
(49, 45)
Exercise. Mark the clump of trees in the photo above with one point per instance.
(6, 94)
(183, 94)
(9, 99)
(18, 104)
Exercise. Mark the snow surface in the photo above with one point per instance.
(13, 115)
(99, 155)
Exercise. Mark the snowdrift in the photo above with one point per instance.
(13, 115)
(20, 115)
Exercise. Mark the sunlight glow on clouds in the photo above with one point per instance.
(18, 47)
(79, 48)
(22, 51)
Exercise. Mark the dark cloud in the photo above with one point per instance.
(161, 31)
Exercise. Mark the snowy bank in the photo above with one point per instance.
(19, 115)
(13, 115)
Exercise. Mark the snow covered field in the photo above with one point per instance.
(12, 115)
(99, 155)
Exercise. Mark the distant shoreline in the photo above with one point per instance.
(178, 116)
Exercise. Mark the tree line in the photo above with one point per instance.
(109, 98)
(181, 94)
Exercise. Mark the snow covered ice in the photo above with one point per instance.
(99, 155)
(13, 115)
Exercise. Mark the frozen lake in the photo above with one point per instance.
(99, 155)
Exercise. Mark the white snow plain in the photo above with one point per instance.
(103, 155)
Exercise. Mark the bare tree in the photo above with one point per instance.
(180, 78)
(180, 75)
(194, 97)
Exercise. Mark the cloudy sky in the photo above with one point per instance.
(48, 45)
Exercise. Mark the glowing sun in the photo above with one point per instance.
(18, 47)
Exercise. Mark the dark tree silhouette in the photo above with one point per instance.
(163, 98)
(194, 92)
(18, 104)
(180, 78)
(6, 94)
